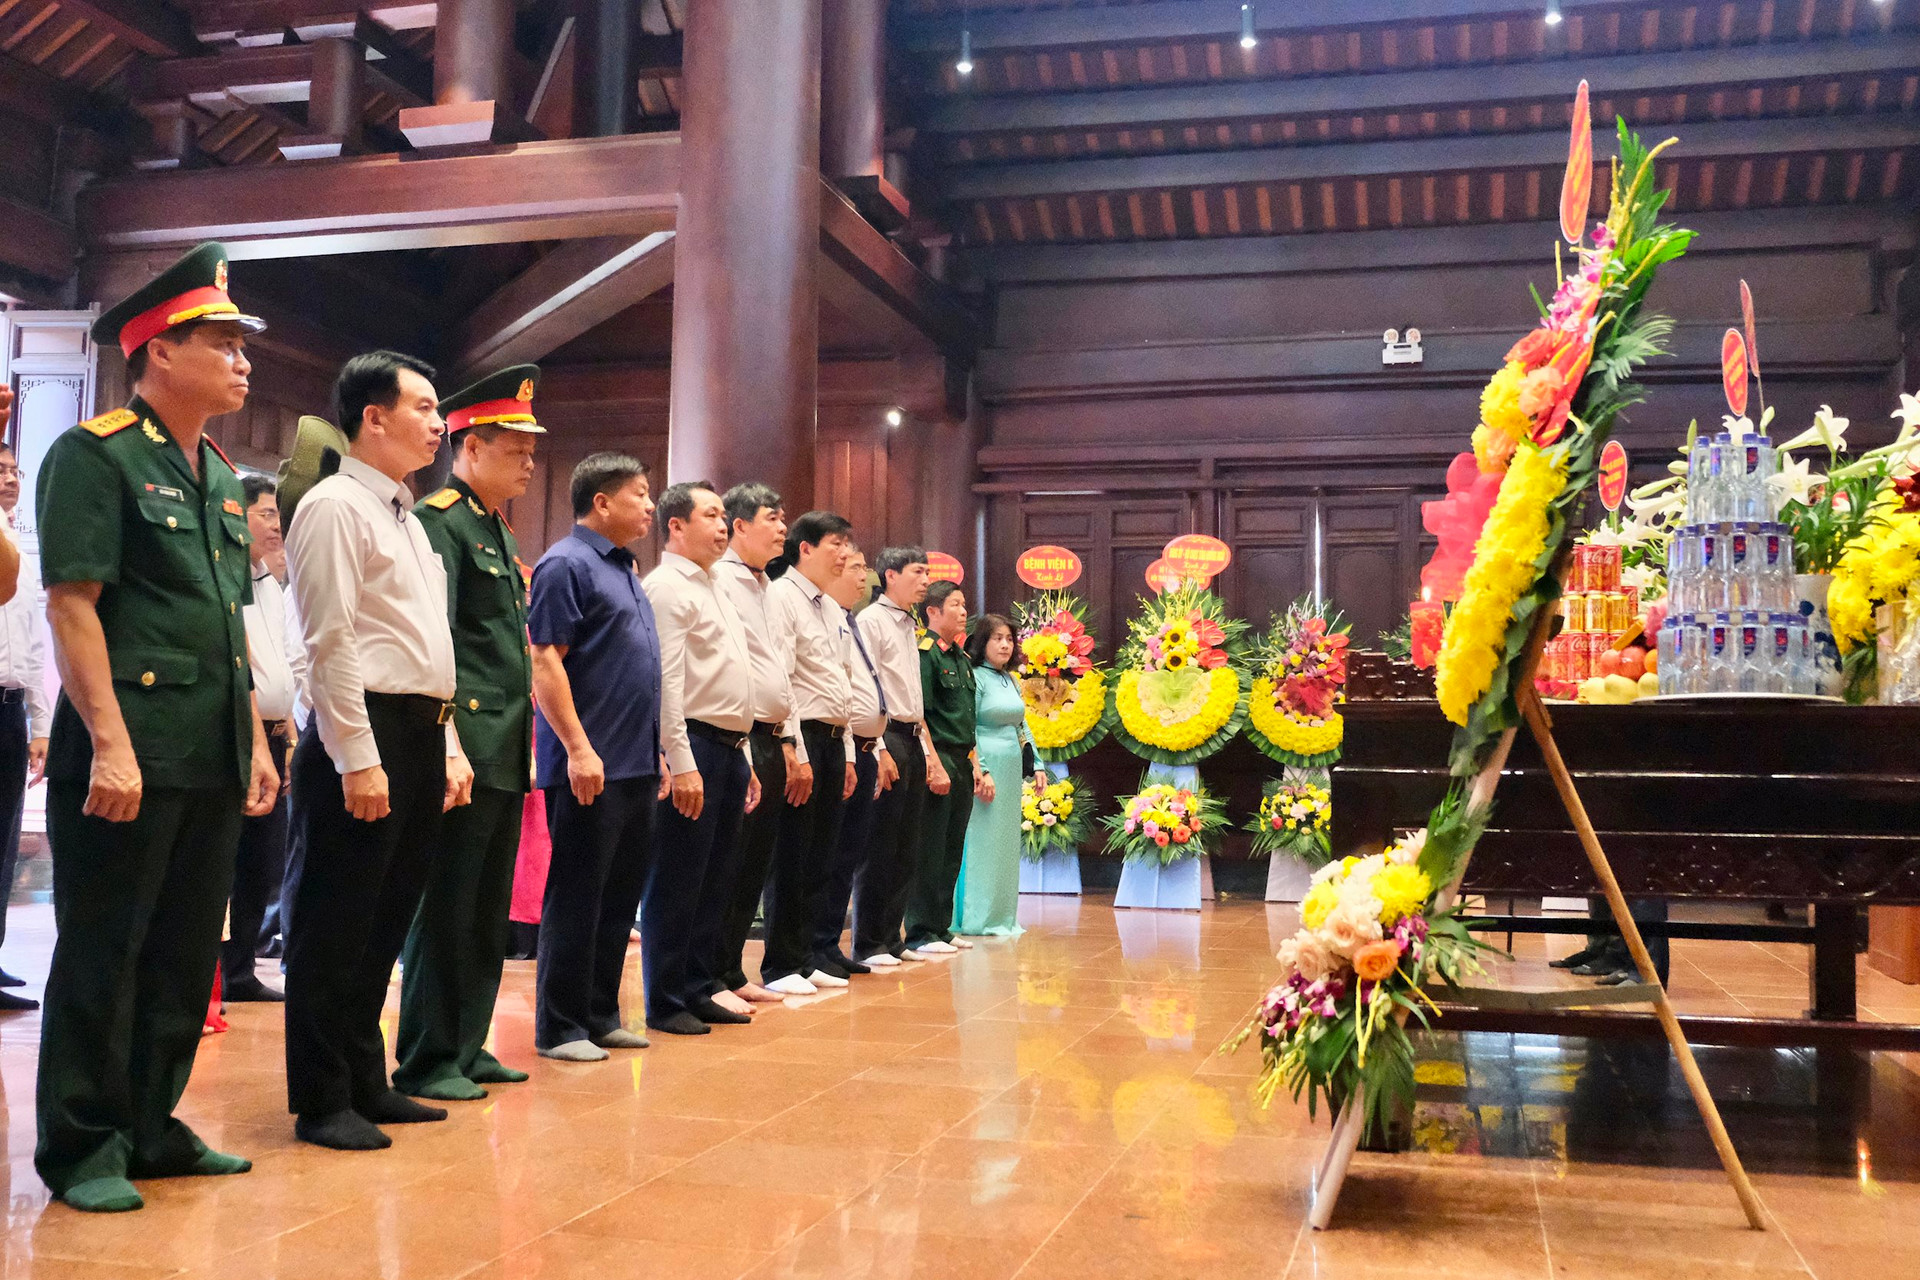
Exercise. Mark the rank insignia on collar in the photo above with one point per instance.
(152, 433)
(474, 504)
(232, 508)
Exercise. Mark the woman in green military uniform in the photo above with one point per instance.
(155, 748)
(458, 943)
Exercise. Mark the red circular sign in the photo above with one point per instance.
(942, 567)
(1048, 568)
(1613, 475)
(1162, 575)
(1195, 555)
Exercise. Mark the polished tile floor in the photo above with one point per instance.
(1043, 1107)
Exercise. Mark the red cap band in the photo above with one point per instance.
(194, 304)
(489, 411)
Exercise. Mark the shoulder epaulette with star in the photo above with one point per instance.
(926, 641)
(108, 423)
(443, 499)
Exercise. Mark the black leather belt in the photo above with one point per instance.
(10, 696)
(865, 744)
(727, 738)
(438, 710)
(274, 728)
(766, 729)
(909, 727)
(834, 731)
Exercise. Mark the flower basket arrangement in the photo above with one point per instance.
(1544, 419)
(1180, 696)
(1299, 678)
(1055, 818)
(1068, 711)
(1293, 818)
(1164, 824)
(1371, 939)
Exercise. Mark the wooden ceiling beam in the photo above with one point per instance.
(576, 286)
(220, 21)
(866, 277)
(1882, 227)
(47, 100)
(1688, 69)
(1034, 29)
(36, 242)
(1545, 148)
(624, 185)
(264, 73)
(153, 28)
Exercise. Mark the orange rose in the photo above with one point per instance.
(1376, 961)
(1532, 349)
(1541, 391)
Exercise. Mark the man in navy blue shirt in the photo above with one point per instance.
(596, 678)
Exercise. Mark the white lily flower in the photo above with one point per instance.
(1828, 431)
(1740, 427)
(1908, 415)
(1649, 581)
(1795, 481)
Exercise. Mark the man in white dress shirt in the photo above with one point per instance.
(875, 773)
(809, 629)
(26, 717)
(261, 863)
(706, 711)
(891, 633)
(757, 527)
(379, 761)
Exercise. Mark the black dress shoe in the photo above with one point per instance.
(10, 1003)
(832, 968)
(847, 965)
(255, 992)
(1577, 959)
(707, 1011)
(680, 1024)
(8, 980)
(1617, 978)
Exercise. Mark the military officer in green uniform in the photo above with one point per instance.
(459, 938)
(156, 748)
(953, 771)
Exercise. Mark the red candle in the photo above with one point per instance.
(1429, 620)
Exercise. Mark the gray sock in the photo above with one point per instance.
(621, 1038)
(575, 1051)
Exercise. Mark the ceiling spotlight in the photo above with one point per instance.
(1553, 13)
(1247, 38)
(895, 417)
(965, 65)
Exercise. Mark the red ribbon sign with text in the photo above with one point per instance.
(1195, 555)
(1048, 568)
(1613, 475)
(1162, 576)
(942, 567)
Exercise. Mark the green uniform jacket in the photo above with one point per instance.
(487, 607)
(118, 505)
(946, 684)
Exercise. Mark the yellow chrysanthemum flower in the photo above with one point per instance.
(1223, 694)
(1319, 904)
(1503, 569)
(1402, 891)
(1073, 719)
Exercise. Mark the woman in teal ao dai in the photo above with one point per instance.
(988, 901)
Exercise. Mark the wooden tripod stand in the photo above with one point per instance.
(1347, 1126)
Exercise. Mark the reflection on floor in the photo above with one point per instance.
(1048, 1107)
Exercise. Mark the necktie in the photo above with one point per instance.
(879, 688)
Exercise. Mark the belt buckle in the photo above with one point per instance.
(446, 713)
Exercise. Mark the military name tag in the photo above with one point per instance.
(167, 491)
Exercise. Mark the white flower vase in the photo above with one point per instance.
(1056, 872)
(1810, 595)
(1178, 886)
(1287, 878)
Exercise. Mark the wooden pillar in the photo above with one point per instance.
(336, 103)
(470, 45)
(853, 99)
(605, 94)
(745, 308)
(949, 461)
(853, 71)
(472, 85)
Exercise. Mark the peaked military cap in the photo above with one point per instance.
(503, 399)
(194, 288)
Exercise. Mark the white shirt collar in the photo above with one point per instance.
(683, 566)
(384, 486)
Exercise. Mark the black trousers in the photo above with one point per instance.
(601, 855)
(943, 846)
(850, 851)
(759, 831)
(803, 861)
(458, 943)
(880, 886)
(13, 795)
(354, 890)
(137, 905)
(685, 910)
(259, 871)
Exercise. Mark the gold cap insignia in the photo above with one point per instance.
(525, 393)
(220, 275)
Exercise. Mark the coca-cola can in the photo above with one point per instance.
(1574, 609)
(1576, 660)
(1598, 642)
(1603, 572)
